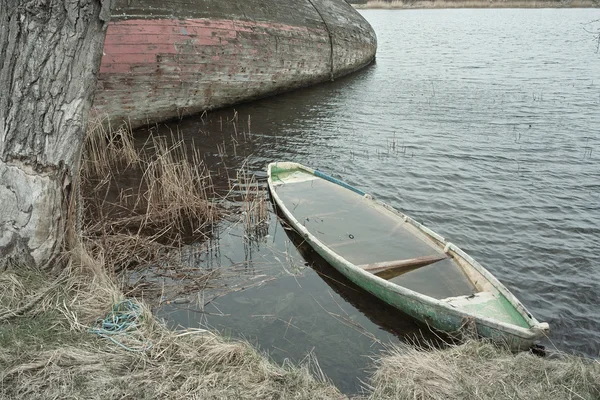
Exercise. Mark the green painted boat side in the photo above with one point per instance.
(520, 329)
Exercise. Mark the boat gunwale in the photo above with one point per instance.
(536, 329)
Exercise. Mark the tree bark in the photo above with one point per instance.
(50, 53)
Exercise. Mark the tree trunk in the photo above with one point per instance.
(50, 53)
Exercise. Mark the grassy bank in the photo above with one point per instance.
(47, 350)
(420, 4)
(479, 370)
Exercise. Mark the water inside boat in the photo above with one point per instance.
(364, 233)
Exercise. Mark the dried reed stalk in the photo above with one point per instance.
(166, 201)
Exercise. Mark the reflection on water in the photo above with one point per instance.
(290, 308)
(482, 124)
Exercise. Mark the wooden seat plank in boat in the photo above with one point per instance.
(404, 264)
(362, 234)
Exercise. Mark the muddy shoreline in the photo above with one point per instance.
(410, 5)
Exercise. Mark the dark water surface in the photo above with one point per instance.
(482, 124)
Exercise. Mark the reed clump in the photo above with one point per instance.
(253, 199)
(481, 370)
(141, 201)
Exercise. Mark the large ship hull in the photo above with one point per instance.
(167, 59)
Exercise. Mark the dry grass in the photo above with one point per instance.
(48, 352)
(130, 220)
(480, 370)
(419, 4)
(144, 201)
(254, 202)
(106, 151)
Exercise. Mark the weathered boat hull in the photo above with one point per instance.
(439, 314)
(166, 59)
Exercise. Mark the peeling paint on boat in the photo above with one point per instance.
(167, 59)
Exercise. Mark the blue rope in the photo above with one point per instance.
(125, 316)
(338, 182)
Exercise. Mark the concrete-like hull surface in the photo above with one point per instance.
(166, 58)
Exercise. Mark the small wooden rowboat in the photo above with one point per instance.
(397, 259)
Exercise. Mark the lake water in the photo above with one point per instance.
(482, 124)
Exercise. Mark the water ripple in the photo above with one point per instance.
(482, 127)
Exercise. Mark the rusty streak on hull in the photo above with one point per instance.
(166, 59)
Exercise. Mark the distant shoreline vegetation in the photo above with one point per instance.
(416, 4)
